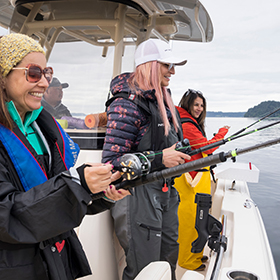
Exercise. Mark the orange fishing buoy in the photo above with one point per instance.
(96, 120)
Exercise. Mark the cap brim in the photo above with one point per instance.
(64, 85)
(173, 60)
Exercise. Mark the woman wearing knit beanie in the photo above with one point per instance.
(42, 196)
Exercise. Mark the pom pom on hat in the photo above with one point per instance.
(13, 48)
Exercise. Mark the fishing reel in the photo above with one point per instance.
(135, 165)
(184, 146)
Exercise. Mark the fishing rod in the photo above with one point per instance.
(138, 164)
(133, 166)
(264, 117)
(230, 138)
(187, 167)
(233, 136)
(185, 147)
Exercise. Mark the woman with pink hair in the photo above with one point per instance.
(142, 117)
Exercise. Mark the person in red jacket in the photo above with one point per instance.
(192, 110)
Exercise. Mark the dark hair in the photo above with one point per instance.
(5, 117)
(187, 103)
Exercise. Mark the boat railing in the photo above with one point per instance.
(222, 249)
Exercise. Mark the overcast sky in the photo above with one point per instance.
(241, 66)
(237, 70)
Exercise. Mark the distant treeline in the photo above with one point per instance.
(219, 114)
(258, 111)
(263, 109)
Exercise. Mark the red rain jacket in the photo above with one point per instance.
(197, 140)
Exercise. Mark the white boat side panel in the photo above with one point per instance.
(96, 235)
(238, 171)
(248, 244)
(89, 156)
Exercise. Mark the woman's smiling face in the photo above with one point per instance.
(165, 74)
(197, 107)
(25, 95)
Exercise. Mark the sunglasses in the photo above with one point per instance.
(169, 65)
(33, 73)
(192, 91)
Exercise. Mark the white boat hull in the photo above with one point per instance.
(248, 247)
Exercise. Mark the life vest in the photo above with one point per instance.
(154, 139)
(184, 120)
(24, 161)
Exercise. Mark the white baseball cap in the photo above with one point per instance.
(156, 49)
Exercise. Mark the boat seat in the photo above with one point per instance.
(192, 275)
(155, 271)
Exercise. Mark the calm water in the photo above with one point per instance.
(266, 193)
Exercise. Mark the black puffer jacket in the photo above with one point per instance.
(32, 222)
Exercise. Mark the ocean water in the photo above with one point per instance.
(265, 193)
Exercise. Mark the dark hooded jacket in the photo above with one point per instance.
(133, 123)
(37, 240)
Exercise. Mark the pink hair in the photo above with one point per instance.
(146, 77)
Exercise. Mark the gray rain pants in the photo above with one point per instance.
(146, 225)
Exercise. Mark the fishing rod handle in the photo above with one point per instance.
(168, 173)
(173, 171)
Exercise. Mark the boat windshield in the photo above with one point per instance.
(88, 74)
(88, 71)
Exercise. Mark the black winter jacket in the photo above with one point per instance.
(32, 222)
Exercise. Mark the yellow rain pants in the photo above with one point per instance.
(187, 188)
